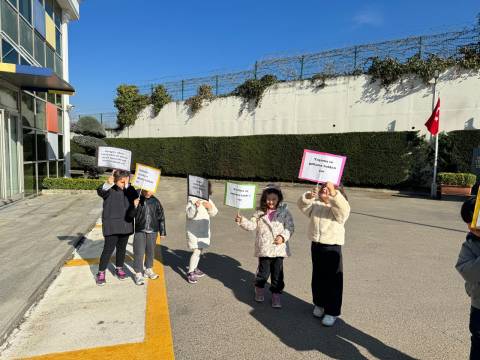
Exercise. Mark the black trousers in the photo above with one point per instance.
(270, 267)
(111, 242)
(327, 277)
(475, 331)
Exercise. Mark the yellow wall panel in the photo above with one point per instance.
(50, 30)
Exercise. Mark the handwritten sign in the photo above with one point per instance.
(114, 158)
(321, 167)
(475, 220)
(198, 187)
(146, 177)
(241, 196)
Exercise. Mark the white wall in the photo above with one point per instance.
(344, 104)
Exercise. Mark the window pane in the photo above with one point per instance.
(60, 120)
(8, 98)
(39, 50)
(60, 146)
(28, 111)
(24, 61)
(26, 36)
(51, 98)
(30, 181)
(39, 17)
(58, 42)
(42, 173)
(52, 169)
(58, 66)
(13, 2)
(28, 145)
(41, 146)
(40, 121)
(50, 58)
(9, 54)
(9, 21)
(26, 9)
(58, 15)
(58, 100)
(49, 7)
(41, 94)
(61, 169)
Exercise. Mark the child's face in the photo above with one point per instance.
(272, 201)
(122, 182)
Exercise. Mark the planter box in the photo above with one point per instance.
(455, 190)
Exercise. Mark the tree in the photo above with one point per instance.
(129, 102)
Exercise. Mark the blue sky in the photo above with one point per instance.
(137, 42)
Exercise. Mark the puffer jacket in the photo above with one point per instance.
(198, 223)
(116, 203)
(267, 231)
(468, 265)
(149, 216)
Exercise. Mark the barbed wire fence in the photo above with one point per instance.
(345, 61)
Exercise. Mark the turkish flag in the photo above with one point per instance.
(433, 122)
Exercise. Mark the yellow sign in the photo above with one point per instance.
(475, 223)
(146, 177)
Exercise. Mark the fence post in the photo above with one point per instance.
(255, 70)
(302, 60)
(182, 88)
(355, 54)
(216, 85)
(420, 45)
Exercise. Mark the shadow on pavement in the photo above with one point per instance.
(294, 325)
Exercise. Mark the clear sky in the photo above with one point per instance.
(143, 41)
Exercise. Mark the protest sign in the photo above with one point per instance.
(241, 196)
(321, 167)
(146, 177)
(475, 222)
(114, 158)
(198, 187)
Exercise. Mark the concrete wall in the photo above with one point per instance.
(343, 104)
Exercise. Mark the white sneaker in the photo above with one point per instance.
(329, 320)
(139, 279)
(150, 274)
(318, 311)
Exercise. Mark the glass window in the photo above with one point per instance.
(39, 49)
(39, 17)
(40, 118)
(51, 98)
(26, 9)
(8, 98)
(9, 54)
(41, 94)
(28, 111)
(58, 100)
(58, 66)
(26, 36)
(9, 21)
(60, 146)
(24, 61)
(58, 15)
(28, 145)
(49, 7)
(52, 169)
(13, 2)
(30, 179)
(60, 120)
(41, 146)
(50, 58)
(42, 173)
(58, 42)
(61, 169)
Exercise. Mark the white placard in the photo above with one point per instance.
(146, 177)
(114, 158)
(321, 167)
(198, 187)
(240, 196)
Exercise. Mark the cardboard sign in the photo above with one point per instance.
(240, 196)
(198, 187)
(475, 222)
(321, 167)
(114, 158)
(146, 177)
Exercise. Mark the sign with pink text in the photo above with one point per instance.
(321, 167)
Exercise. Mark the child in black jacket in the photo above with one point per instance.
(149, 221)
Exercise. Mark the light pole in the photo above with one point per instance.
(433, 191)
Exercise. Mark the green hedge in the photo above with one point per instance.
(460, 179)
(461, 144)
(374, 158)
(72, 184)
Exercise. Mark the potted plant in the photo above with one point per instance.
(456, 183)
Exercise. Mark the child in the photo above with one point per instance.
(149, 221)
(328, 210)
(198, 231)
(468, 265)
(117, 197)
(274, 225)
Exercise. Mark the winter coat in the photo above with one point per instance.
(149, 216)
(327, 221)
(468, 265)
(198, 223)
(116, 203)
(267, 231)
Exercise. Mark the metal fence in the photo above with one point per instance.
(108, 120)
(344, 61)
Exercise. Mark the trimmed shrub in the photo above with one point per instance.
(461, 143)
(89, 126)
(89, 143)
(458, 179)
(374, 158)
(71, 184)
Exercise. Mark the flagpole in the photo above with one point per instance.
(433, 190)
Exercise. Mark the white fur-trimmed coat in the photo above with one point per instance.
(198, 223)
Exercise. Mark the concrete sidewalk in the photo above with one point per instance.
(37, 236)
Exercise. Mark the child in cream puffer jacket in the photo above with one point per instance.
(328, 210)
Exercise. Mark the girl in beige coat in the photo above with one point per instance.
(274, 225)
(328, 210)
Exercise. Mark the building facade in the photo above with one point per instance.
(34, 119)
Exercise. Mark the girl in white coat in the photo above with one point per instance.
(274, 225)
(199, 212)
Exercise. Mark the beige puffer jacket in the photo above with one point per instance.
(267, 231)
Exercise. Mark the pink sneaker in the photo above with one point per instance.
(192, 278)
(276, 302)
(100, 278)
(121, 275)
(259, 294)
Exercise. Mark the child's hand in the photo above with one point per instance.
(136, 202)
(206, 205)
(315, 192)
(198, 203)
(110, 180)
(279, 240)
(238, 218)
(331, 188)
